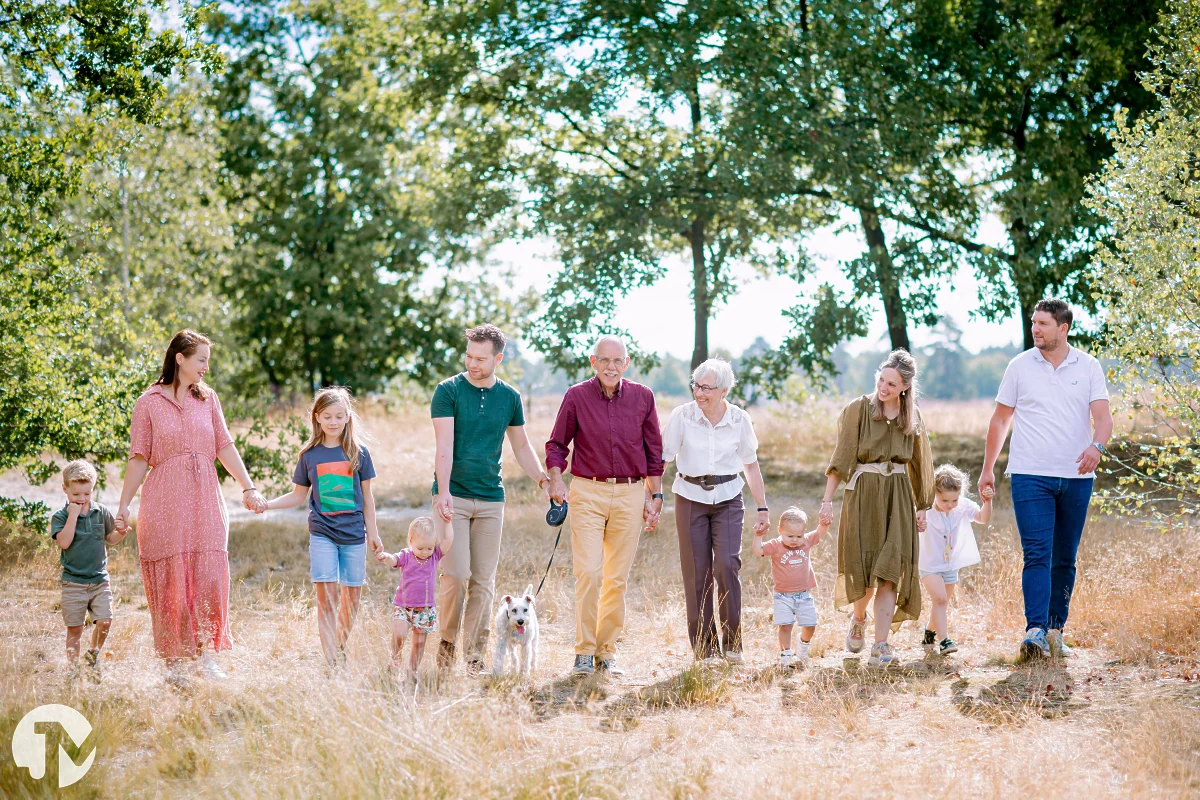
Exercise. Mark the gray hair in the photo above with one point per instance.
(609, 337)
(718, 368)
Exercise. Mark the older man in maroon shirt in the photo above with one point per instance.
(617, 486)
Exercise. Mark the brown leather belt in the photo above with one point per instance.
(617, 480)
(708, 482)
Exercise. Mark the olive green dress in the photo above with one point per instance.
(878, 538)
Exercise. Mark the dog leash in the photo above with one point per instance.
(555, 517)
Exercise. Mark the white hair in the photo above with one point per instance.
(718, 368)
(609, 337)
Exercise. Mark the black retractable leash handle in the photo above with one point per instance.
(555, 517)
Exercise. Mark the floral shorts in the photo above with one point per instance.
(422, 620)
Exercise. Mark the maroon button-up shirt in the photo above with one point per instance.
(615, 437)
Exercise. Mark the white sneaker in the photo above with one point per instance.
(207, 668)
(786, 659)
(1058, 648)
(737, 659)
(177, 675)
(802, 653)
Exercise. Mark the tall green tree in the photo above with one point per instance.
(69, 69)
(1147, 277)
(1037, 87)
(356, 248)
(629, 126)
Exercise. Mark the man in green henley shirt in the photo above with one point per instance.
(471, 413)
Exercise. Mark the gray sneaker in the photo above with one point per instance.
(608, 666)
(1035, 644)
(1058, 648)
(94, 670)
(584, 665)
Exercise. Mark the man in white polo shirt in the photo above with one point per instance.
(1056, 400)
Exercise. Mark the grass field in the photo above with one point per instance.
(1120, 718)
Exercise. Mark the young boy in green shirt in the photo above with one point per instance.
(82, 530)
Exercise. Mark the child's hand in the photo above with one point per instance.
(987, 492)
(921, 521)
(386, 558)
(74, 509)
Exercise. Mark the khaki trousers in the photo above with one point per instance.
(606, 523)
(469, 574)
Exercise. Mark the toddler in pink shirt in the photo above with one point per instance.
(415, 601)
(794, 579)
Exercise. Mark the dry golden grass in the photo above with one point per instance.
(1120, 718)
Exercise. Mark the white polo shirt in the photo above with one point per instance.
(701, 448)
(1052, 420)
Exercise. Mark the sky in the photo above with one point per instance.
(660, 316)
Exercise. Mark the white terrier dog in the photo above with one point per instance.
(516, 631)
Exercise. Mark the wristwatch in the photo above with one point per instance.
(656, 496)
(1100, 446)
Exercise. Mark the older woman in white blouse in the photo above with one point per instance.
(712, 441)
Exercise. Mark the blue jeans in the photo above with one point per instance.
(1050, 514)
(330, 562)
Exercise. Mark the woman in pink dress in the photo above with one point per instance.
(178, 431)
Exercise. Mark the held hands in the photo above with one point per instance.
(652, 512)
(826, 514)
(122, 519)
(763, 523)
(443, 505)
(253, 501)
(1088, 460)
(987, 484)
(922, 522)
(375, 543)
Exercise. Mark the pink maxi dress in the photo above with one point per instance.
(183, 528)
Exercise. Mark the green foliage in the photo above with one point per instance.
(1036, 87)
(70, 365)
(1149, 277)
(344, 215)
(630, 127)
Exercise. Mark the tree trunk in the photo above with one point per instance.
(701, 301)
(696, 236)
(1026, 277)
(885, 276)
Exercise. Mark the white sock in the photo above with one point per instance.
(802, 650)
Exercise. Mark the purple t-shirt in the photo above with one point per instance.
(418, 579)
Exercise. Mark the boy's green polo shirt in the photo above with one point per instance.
(481, 418)
(86, 559)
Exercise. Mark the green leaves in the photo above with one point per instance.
(1148, 278)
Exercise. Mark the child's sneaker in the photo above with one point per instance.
(92, 660)
(801, 655)
(787, 659)
(881, 655)
(930, 642)
(854, 636)
(947, 647)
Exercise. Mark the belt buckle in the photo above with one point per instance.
(706, 484)
(610, 480)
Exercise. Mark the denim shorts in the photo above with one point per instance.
(948, 576)
(337, 563)
(795, 608)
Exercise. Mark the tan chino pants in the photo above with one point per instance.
(606, 523)
(468, 581)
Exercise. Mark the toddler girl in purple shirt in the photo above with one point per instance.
(416, 596)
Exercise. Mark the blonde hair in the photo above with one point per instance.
(352, 437)
(793, 516)
(421, 525)
(903, 362)
(79, 471)
(949, 478)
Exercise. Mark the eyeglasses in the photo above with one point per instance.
(605, 363)
(702, 388)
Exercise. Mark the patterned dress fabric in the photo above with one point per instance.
(183, 528)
